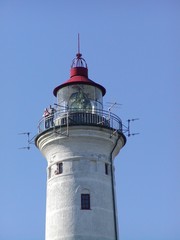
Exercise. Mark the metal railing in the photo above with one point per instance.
(80, 117)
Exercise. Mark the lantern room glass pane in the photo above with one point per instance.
(80, 97)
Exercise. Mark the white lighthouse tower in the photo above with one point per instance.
(80, 140)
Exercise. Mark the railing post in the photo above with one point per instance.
(67, 122)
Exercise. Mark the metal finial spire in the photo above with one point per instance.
(78, 43)
(78, 55)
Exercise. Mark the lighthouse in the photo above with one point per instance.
(80, 140)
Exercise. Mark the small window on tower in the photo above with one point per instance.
(106, 168)
(85, 201)
(59, 168)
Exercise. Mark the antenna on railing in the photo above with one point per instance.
(109, 109)
(113, 105)
(129, 125)
(29, 141)
(57, 105)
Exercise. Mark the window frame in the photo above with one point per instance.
(85, 201)
(59, 168)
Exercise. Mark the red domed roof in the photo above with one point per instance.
(79, 75)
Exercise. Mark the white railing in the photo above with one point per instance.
(80, 117)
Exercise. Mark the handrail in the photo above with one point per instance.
(70, 117)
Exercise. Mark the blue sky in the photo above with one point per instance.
(132, 49)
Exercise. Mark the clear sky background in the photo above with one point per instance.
(131, 48)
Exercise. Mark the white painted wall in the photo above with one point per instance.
(84, 153)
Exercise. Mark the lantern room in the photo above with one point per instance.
(79, 93)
